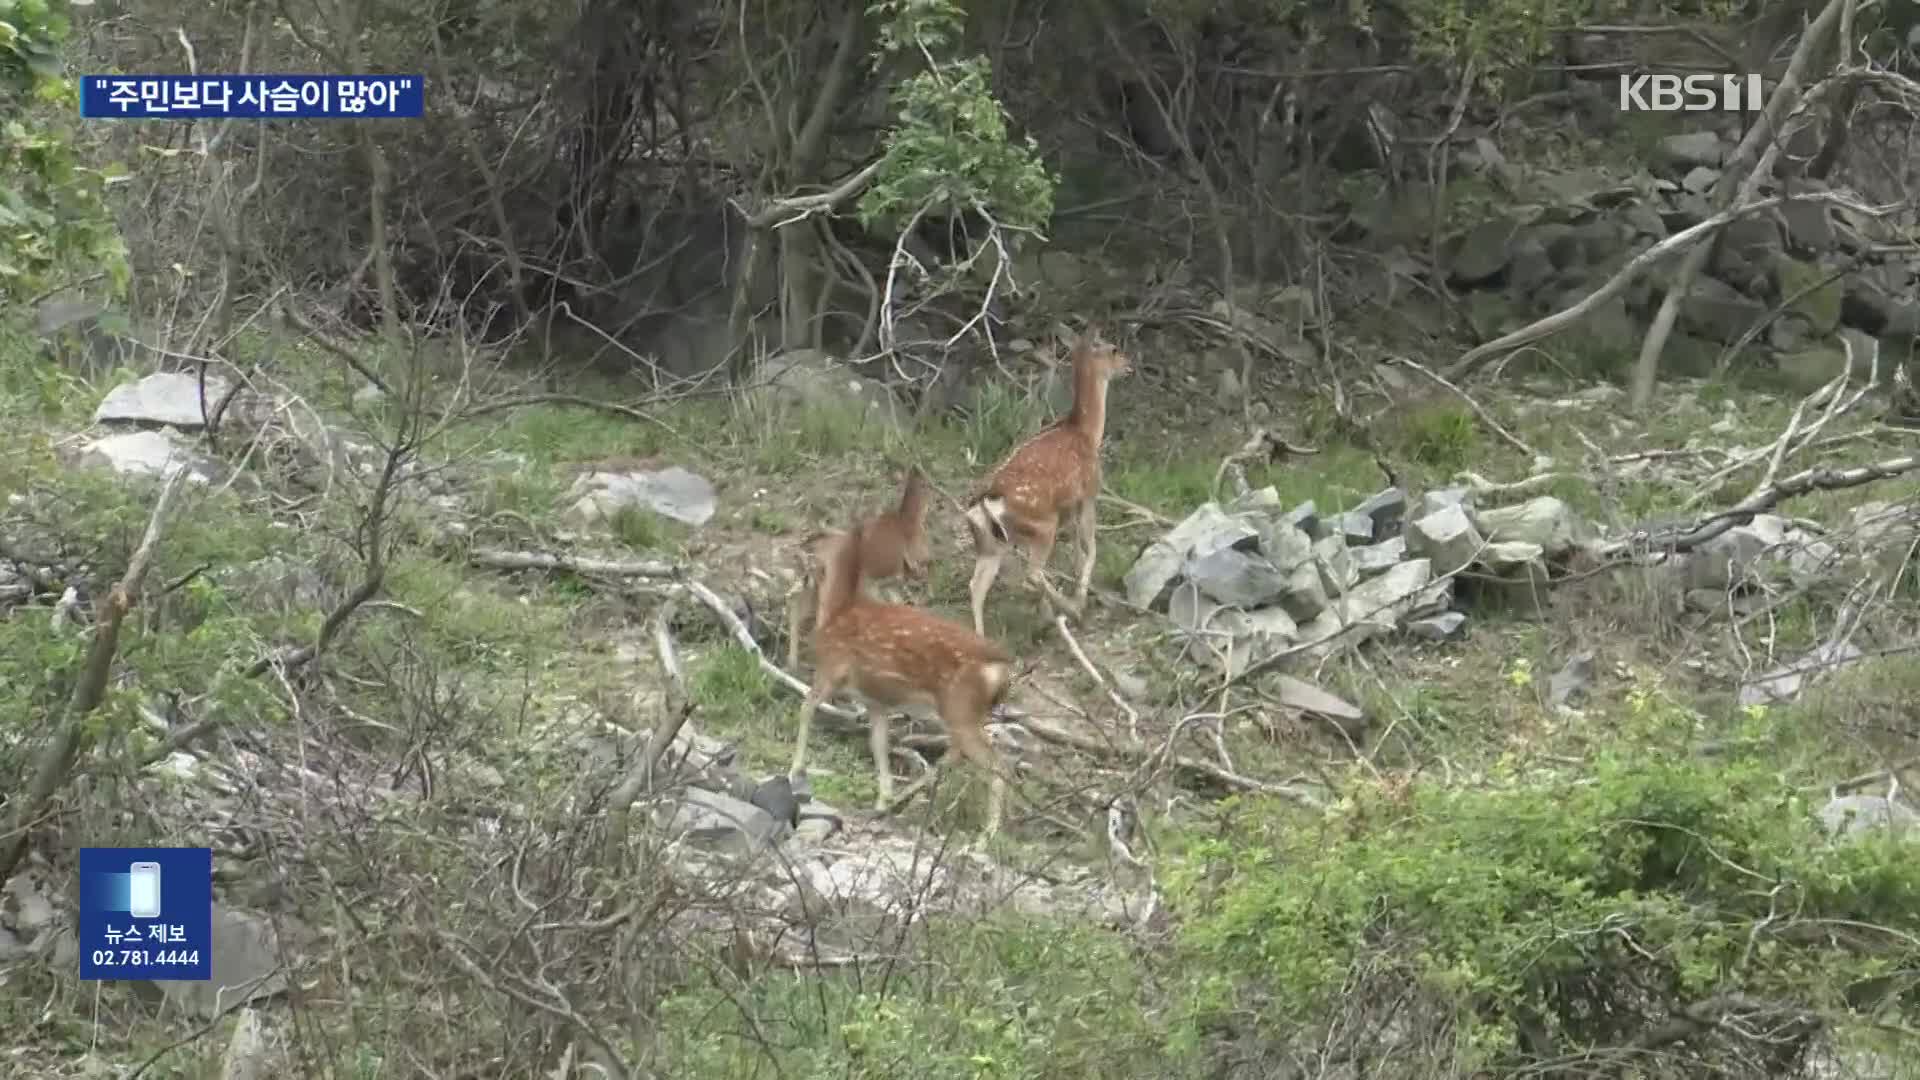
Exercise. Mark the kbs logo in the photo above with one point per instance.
(1690, 93)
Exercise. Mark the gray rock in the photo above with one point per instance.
(672, 492)
(1447, 538)
(149, 453)
(245, 951)
(1515, 561)
(1853, 816)
(1337, 571)
(775, 796)
(1877, 523)
(1809, 559)
(1542, 520)
(1432, 502)
(1303, 517)
(1785, 682)
(167, 397)
(1205, 530)
(1809, 226)
(1717, 311)
(1700, 179)
(1571, 681)
(1645, 221)
(1298, 694)
(1353, 528)
(1387, 509)
(1734, 557)
(1378, 558)
(1306, 595)
(1285, 546)
(723, 823)
(1384, 600)
(1531, 267)
(1441, 627)
(1690, 150)
(1234, 577)
(1485, 252)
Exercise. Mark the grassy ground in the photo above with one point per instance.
(467, 677)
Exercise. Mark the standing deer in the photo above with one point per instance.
(893, 544)
(1054, 474)
(897, 657)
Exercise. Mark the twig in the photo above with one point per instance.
(1262, 445)
(1113, 695)
(1485, 417)
(90, 689)
(327, 343)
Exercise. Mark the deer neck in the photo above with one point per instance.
(1089, 413)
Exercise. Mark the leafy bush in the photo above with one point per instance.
(52, 207)
(1540, 920)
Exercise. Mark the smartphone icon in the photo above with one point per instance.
(143, 890)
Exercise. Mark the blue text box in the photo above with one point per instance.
(252, 97)
(146, 913)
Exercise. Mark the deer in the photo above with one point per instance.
(1053, 475)
(897, 657)
(893, 544)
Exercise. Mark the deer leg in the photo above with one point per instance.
(966, 726)
(986, 567)
(824, 684)
(796, 612)
(883, 771)
(1088, 525)
(1039, 551)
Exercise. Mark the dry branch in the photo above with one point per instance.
(674, 712)
(89, 690)
(491, 559)
(1761, 501)
(372, 580)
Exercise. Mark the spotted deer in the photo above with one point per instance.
(893, 544)
(896, 657)
(1055, 474)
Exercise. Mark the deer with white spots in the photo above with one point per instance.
(893, 544)
(1052, 476)
(896, 657)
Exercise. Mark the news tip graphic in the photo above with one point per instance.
(252, 97)
(146, 913)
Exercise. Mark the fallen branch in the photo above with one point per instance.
(744, 638)
(674, 712)
(1793, 440)
(1639, 264)
(492, 559)
(1681, 540)
(89, 690)
(1086, 664)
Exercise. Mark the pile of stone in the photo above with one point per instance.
(1582, 226)
(1248, 579)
